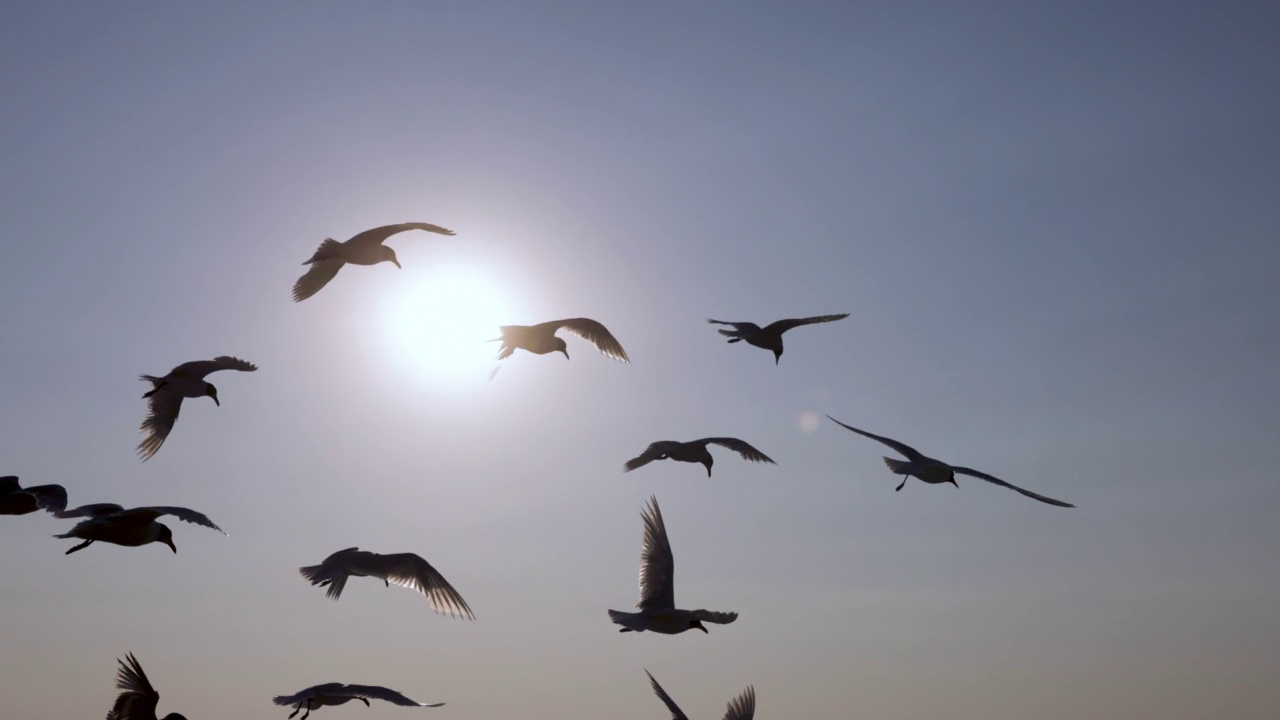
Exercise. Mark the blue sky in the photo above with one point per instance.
(1054, 229)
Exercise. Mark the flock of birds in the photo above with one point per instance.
(657, 609)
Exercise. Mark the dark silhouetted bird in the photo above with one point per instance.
(137, 699)
(165, 398)
(770, 336)
(742, 707)
(111, 523)
(363, 249)
(541, 339)
(318, 696)
(17, 500)
(403, 569)
(694, 451)
(936, 472)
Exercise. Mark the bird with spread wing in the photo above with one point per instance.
(769, 337)
(17, 500)
(541, 339)
(137, 699)
(403, 569)
(366, 248)
(742, 707)
(695, 451)
(165, 398)
(111, 523)
(318, 696)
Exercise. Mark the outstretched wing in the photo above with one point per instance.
(741, 447)
(655, 451)
(676, 712)
(149, 514)
(411, 571)
(303, 696)
(711, 616)
(782, 326)
(378, 235)
(904, 449)
(137, 700)
(997, 481)
(742, 707)
(593, 332)
(95, 510)
(657, 566)
(377, 692)
(201, 368)
(162, 412)
(51, 498)
(314, 280)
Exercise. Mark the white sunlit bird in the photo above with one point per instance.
(695, 451)
(658, 612)
(17, 500)
(137, 699)
(365, 248)
(403, 569)
(742, 707)
(541, 339)
(769, 337)
(318, 696)
(936, 472)
(164, 401)
(111, 523)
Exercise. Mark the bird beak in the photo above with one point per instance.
(566, 354)
(703, 628)
(776, 358)
(397, 262)
(953, 482)
(708, 471)
(216, 402)
(172, 547)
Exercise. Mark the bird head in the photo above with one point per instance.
(389, 255)
(698, 624)
(212, 392)
(708, 461)
(166, 537)
(563, 347)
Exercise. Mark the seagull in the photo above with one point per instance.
(657, 593)
(742, 707)
(338, 694)
(365, 248)
(138, 700)
(111, 523)
(936, 472)
(770, 336)
(404, 569)
(165, 398)
(694, 451)
(541, 339)
(17, 500)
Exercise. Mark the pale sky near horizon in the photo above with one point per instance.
(1055, 230)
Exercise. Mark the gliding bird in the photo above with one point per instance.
(742, 707)
(165, 398)
(365, 248)
(770, 336)
(541, 339)
(138, 700)
(318, 696)
(17, 500)
(111, 523)
(404, 569)
(694, 451)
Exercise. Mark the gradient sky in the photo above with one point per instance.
(1055, 230)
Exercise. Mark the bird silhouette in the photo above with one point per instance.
(164, 401)
(111, 523)
(366, 248)
(137, 699)
(770, 336)
(742, 707)
(694, 451)
(17, 500)
(318, 696)
(541, 339)
(404, 569)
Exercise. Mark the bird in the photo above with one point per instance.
(338, 694)
(404, 569)
(657, 604)
(165, 397)
(770, 336)
(742, 707)
(694, 451)
(17, 500)
(936, 472)
(111, 523)
(541, 339)
(365, 248)
(138, 699)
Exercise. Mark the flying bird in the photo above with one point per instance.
(338, 694)
(742, 707)
(694, 451)
(541, 339)
(111, 523)
(137, 699)
(770, 336)
(165, 398)
(936, 472)
(403, 569)
(365, 248)
(17, 500)
(657, 604)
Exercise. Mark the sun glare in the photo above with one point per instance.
(439, 324)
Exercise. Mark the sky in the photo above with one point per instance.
(1054, 229)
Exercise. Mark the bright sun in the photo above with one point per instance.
(438, 325)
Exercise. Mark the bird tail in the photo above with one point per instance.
(898, 467)
(320, 575)
(324, 251)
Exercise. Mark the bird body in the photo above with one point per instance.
(541, 339)
(164, 401)
(936, 472)
(404, 569)
(365, 248)
(694, 451)
(742, 707)
(17, 500)
(339, 694)
(769, 337)
(137, 699)
(658, 612)
(110, 523)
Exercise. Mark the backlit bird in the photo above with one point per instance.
(17, 500)
(318, 696)
(541, 339)
(165, 398)
(365, 248)
(111, 523)
(657, 604)
(403, 569)
(742, 707)
(936, 472)
(694, 451)
(137, 699)
(770, 336)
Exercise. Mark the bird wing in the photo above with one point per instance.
(201, 368)
(742, 707)
(162, 412)
(903, 449)
(676, 712)
(411, 571)
(378, 235)
(303, 696)
(144, 515)
(997, 481)
(655, 451)
(377, 692)
(657, 566)
(52, 498)
(95, 510)
(782, 326)
(739, 326)
(711, 616)
(138, 699)
(593, 332)
(741, 447)
(313, 280)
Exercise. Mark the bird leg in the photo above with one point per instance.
(307, 713)
(625, 630)
(81, 546)
(387, 583)
(904, 482)
(296, 710)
